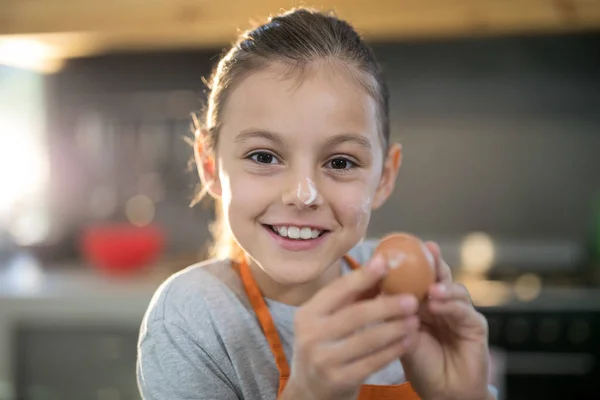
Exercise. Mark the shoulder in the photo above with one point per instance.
(194, 293)
(184, 344)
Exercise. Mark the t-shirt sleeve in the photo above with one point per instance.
(174, 365)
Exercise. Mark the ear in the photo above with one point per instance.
(388, 175)
(207, 165)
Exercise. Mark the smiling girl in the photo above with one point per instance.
(295, 148)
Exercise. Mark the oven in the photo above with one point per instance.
(549, 348)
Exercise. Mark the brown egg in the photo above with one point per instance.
(411, 266)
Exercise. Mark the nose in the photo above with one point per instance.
(303, 194)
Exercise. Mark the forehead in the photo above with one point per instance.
(324, 101)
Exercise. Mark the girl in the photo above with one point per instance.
(296, 150)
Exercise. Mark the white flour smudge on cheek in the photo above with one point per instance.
(362, 212)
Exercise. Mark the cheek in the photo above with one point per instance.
(353, 206)
(244, 201)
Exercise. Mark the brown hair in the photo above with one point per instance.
(297, 39)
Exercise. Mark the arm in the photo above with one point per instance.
(172, 365)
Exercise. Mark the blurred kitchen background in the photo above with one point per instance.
(497, 105)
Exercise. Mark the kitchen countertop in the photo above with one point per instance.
(92, 288)
(78, 294)
(78, 281)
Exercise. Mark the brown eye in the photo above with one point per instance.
(262, 157)
(341, 163)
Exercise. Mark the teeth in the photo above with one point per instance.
(294, 232)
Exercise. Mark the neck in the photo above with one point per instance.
(294, 295)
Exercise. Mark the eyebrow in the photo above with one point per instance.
(249, 134)
(351, 138)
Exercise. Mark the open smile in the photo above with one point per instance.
(296, 238)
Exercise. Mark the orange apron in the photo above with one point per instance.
(367, 392)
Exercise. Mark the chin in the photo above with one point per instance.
(291, 272)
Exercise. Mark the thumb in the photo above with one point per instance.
(443, 273)
(412, 361)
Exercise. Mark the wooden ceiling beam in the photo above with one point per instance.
(76, 27)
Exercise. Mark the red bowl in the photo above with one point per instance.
(121, 248)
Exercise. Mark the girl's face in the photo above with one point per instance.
(300, 167)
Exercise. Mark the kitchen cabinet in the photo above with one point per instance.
(76, 363)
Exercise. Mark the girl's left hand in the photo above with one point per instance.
(450, 359)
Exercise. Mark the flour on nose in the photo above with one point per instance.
(307, 191)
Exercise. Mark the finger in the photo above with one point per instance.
(359, 315)
(442, 269)
(370, 293)
(434, 248)
(458, 312)
(453, 291)
(360, 370)
(348, 287)
(369, 341)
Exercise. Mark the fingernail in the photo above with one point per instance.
(441, 288)
(377, 264)
(408, 303)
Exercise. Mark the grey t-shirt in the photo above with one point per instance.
(200, 339)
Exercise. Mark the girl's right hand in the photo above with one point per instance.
(341, 340)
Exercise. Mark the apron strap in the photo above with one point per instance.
(264, 318)
(351, 262)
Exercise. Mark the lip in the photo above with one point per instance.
(294, 244)
(301, 225)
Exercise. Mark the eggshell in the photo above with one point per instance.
(411, 266)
